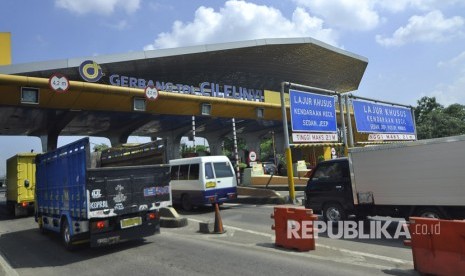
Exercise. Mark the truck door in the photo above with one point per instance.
(329, 183)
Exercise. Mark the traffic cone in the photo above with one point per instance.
(218, 222)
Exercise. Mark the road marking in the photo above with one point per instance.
(239, 229)
(231, 204)
(341, 250)
(347, 259)
(369, 255)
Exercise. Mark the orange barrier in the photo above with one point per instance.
(438, 246)
(294, 228)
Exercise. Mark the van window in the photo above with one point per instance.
(174, 172)
(194, 172)
(223, 169)
(184, 172)
(209, 171)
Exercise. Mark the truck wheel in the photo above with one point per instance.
(429, 213)
(333, 212)
(66, 235)
(186, 202)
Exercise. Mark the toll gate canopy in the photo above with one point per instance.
(235, 80)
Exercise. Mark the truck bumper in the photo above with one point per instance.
(144, 230)
(315, 207)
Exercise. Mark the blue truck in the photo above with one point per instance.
(97, 205)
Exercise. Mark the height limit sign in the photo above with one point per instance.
(151, 93)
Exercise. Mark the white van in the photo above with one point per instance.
(202, 180)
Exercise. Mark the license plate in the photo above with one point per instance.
(210, 184)
(131, 222)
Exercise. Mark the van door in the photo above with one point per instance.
(329, 183)
(224, 174)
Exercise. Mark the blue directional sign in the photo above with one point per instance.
(312, 112)
(380, 118)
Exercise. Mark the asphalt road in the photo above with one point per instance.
(247, 248)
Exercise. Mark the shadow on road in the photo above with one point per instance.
(204, 209)
(30, 249)
(384, 233)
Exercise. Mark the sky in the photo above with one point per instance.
(415, 48)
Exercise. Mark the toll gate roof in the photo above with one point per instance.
(258, 64)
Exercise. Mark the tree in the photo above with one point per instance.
(200, 149)
(101, 147)
(434, 121)
(266, 149)
(456, 111)
(426, 105)
(228, 145)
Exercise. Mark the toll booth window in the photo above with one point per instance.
(223, 169)
(174, 172)
(209, 171)
(184, 172)
(29, 95)
(194, 172)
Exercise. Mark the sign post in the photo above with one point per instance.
(310, 112)
(349, 124)
(252, 158)
(287, 147)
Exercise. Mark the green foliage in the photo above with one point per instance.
(426, 105)
(100, 147)
(434, 121)
(281, 159)
(198, 148)
(266, 149)
(228, 145)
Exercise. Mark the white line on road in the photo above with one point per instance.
(369, 255)
(342, 250)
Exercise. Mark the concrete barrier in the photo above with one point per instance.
(437, 246)
(251, 195)
(288, 222)
(276, 181)
(169, 218)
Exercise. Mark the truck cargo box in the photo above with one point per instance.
(21, 181)
(425, 172)
(123, 190)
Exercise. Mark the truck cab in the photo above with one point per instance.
(329, 190)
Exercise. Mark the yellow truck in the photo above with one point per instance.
(20, 183)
